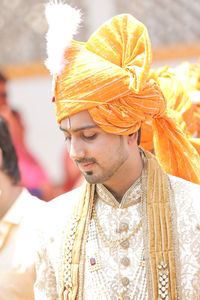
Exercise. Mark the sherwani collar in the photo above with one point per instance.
(131, 197)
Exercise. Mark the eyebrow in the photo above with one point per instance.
(78, 129)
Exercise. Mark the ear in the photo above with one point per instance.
(1, 158)
(132, 138)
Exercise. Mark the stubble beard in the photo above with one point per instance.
(105, 175)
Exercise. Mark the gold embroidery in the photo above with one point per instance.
(108, 242)
(175, 237)
(131, 197)
(94, 262)
(68, 254)
(83, 255)
(163, 280)
(158, 230)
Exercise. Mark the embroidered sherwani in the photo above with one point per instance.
(119, 272)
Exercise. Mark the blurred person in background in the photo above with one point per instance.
(18, 213)
(33, 176)
(3, 91)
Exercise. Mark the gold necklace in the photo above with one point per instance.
(109, 243)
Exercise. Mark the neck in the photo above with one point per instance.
(9, 193)
(124, 179)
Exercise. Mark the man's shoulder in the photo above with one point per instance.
(63, 205)
(185, 191)
(26, 196)
(27, 205)
(31, 208)
(184, 185)
(66, 200)
(57, 213)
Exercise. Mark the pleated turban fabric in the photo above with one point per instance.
(110, 77)
(178, 103)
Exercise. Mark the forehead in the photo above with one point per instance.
(78, 120)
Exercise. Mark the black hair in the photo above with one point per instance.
(139, 136)
(10, 160)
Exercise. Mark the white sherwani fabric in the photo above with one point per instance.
(121, 273)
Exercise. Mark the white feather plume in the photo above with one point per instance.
(63, 21)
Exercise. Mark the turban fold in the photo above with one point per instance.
(110, 77)
(178, 103)
(189, 75)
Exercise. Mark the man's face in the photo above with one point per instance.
(99, 155)
(3, 93)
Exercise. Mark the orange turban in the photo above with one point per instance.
(189, 74)
(109, 77)
(177, 99)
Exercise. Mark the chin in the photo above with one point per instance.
(91, 178)
(95, 178)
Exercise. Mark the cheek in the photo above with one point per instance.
(97, 151)
(103, 150)
(94, 151)
(105, 154)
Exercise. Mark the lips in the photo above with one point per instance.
(86, 166)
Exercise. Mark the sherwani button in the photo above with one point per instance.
(51, 239)
(125, 281)
(123, 227)
(125, 261)
(125, 244)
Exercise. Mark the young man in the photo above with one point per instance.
(132, 231)
(18, 210)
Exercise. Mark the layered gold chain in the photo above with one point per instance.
(110, 243)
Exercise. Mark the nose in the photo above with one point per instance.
(76, 150)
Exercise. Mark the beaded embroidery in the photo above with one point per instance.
(163, 281)
(68, 254)
(121, 287)
(93, 257)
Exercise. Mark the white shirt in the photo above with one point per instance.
(17, 248)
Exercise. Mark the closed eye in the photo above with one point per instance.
(67, 138)
(91, 137)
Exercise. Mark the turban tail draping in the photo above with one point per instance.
(110, 77)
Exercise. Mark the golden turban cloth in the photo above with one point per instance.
(189, 75)
(178, 103)
(179, 106)
(109, 76)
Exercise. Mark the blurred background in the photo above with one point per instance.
(174, 28)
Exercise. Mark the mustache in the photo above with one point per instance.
(85, 160)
